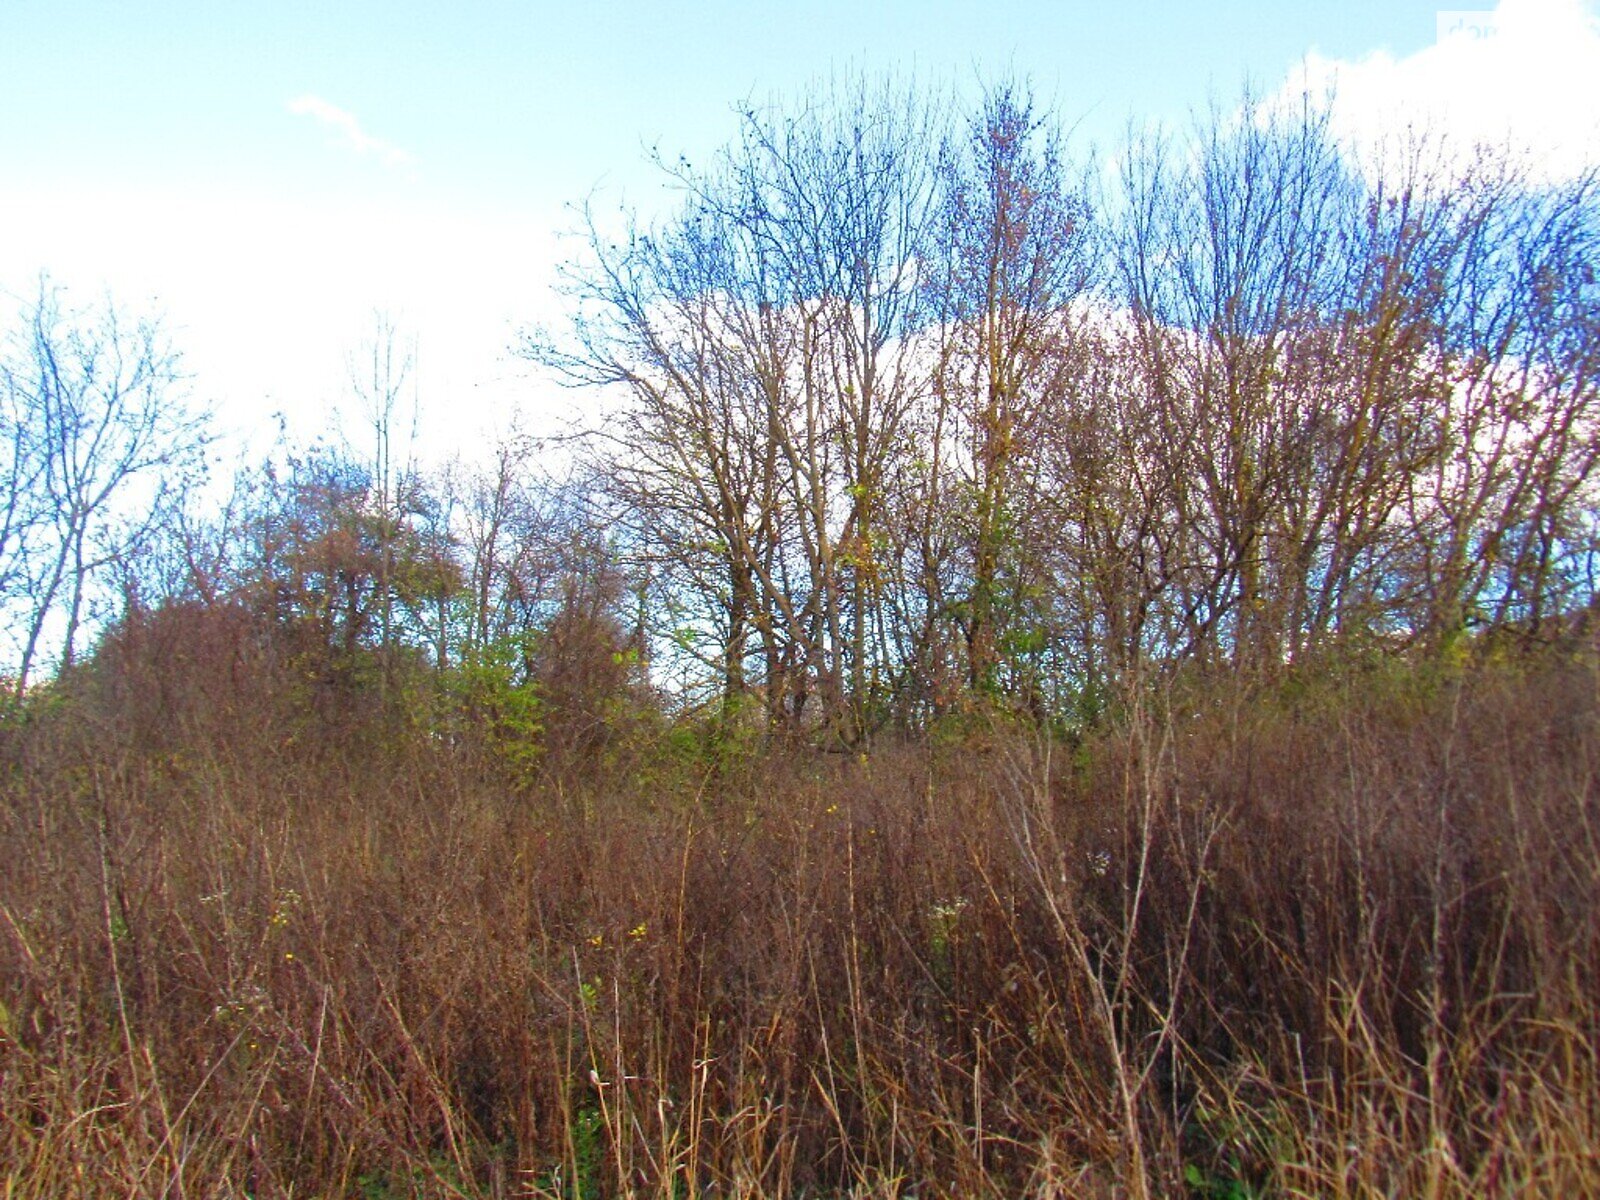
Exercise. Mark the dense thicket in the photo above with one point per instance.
(1338, 939)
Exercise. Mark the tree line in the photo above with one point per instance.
(915, 415)
(902, 412)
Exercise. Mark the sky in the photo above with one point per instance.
(270, 177)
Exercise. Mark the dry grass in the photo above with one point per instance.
(1341, 940)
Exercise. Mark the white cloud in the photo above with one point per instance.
(266, 297)
(349, 130)
(1525, 75)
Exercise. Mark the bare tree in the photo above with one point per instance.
(97, 437)
(381, 373)
(766, 338)
(1015, 268)
(1499, 517)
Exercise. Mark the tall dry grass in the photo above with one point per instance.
(1333, 938)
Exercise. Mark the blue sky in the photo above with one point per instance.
(269, 174)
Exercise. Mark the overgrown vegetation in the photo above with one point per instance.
(1338, 937)
(1026, 691)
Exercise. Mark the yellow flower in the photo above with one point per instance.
(638, 931)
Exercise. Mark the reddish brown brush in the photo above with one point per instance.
(1334, 939)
